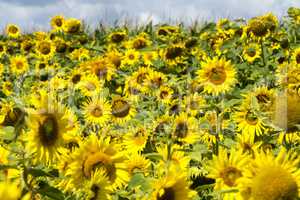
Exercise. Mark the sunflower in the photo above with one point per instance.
(296, 55)
(162, 124)
(172, 186)
(139, 42)
(57, 22)
(90, 85)
(1, 68)
(149, 57)
(100, 67)
(185, 129)
(216, 76)
(227, 169)
(122, 109)
(7, 88)
(13, 30)
(48, 124)
(97, 111)
(252, 52)
(97, 154)
(137, 163)
(138, 80)
(135, 140)
(117, 37)
(167, 32)
(45, 49)
(19, 64)
(80, 54)
(131, 57)
(98, 188)
(156, 79)
(272, 178)
(165, 94)
(72, 26)
(194, 103)
(114, 57)
(248, 121)
(173, 54)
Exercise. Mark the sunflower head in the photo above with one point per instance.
(13, 30)
(72, 26)
(57, 22)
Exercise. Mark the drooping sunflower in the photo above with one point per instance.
(19, 64)
(57, 22)
(173, 55)
(13, 30)
(227, 169)
(185, 129)
(48, 125)
(97, 154)
(72, 26)
(97, 111)
(251, 52)
(122, 109)
(117, 37)
(272, 177)
(216, 76)
(248, 121)
(172, 186)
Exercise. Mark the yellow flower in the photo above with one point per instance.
(9, 191)
(122, 110)
(19, 65)
(117, 37)
(252, 52)
(97, 111)
(72, 26)
(216, 76)
(135, 140)
(149, 57)
(2, 48)
(131, 57)
(57, 22)
(137, 163)
(13, 30)
(45, 49)
(296, 55)
(272, 178)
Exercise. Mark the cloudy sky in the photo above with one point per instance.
(35, 14)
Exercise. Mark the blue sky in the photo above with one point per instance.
(35, 14)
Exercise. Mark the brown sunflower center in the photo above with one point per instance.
(117, 37)
(230, 175)
(217, 75)
(13, 29)
(169, 194)
(131, 56)
(181, 130)
(139, 43)
(120, 108)
(251, 52)
(58, 22)
(141, 78)
(48, 130)
(251, 118)
(97, 111)
(262, 98)
(76, 78)
(274, 183)
(19, 65)
(174, 52)
(45, 48)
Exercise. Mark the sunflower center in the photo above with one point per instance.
(97, 111)
(120, 108)
(181, 130)
(13, 29)
(76, 78)
(131, 56)
(251, 118)
(174, 52)
(45, 48)
(141, 77)
(169, 194)
(58, 22)
(262, 98)
(48, 130)
(117, 37)
(217, 76)
(101, 71)
(251, 52)
(19, 65)
(230, 175)
(164, 94)
(90, 86)
(274, 183)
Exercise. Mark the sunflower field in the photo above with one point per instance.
(151, 112)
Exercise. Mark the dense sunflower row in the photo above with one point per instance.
(160, 112)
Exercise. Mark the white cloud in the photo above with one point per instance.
(30, 14)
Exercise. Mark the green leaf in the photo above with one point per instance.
(49, 191)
